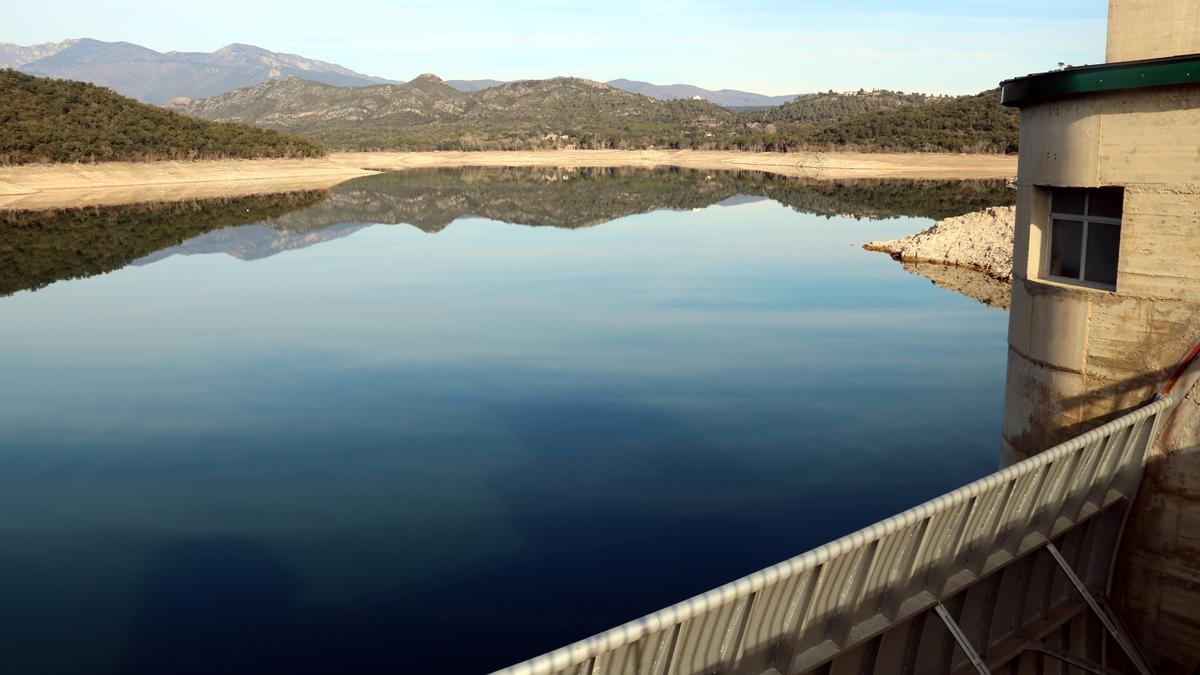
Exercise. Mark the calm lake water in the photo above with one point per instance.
(324, 440)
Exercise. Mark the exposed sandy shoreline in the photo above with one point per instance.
(816, 165)
(66, 185)
(46, 186)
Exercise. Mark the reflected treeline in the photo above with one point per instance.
(878, 199)
(40, 247)
(572, 198)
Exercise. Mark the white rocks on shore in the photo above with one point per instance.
(981, 241)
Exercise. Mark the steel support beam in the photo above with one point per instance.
(1122, 638)
(1075, 661)
(961, 639)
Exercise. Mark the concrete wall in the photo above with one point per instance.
(1148, 29)
(1079, 357)
(1157, 575)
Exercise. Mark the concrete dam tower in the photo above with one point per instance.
(1106, 291)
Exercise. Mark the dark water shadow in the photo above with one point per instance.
(214, 606)
(687, 517)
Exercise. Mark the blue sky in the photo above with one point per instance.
(773, 47)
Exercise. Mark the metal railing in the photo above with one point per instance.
(853, 595)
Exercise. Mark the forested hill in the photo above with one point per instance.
(307, 106)
(46, 120)
(961, 124)
(428, 114)
(829, 106)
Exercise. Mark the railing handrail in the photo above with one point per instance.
(627, 633)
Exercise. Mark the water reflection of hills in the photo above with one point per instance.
(252, 242)
(38, 248)
(573, 198)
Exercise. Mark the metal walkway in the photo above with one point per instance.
(1006, 574)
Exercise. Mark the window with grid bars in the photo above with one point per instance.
(1085, 235)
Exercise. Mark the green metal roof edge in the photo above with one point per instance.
(1058, 84)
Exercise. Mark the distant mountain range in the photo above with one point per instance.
(348, 110)
(730, 98)
(157, 77)
(468, 86)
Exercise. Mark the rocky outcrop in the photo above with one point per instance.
(981, 241)
(13, 56)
